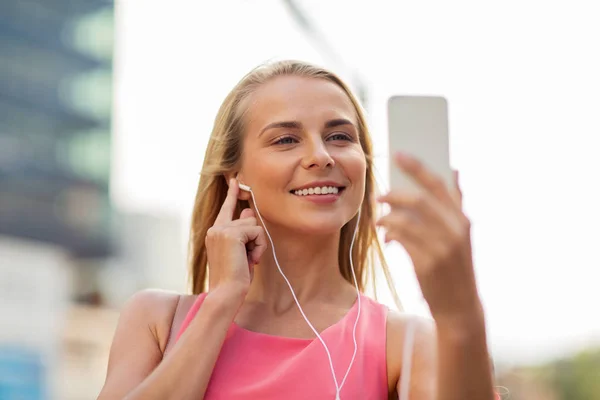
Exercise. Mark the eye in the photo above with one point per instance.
(340, 136)
(285, 140)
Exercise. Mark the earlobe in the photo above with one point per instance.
(244, 195)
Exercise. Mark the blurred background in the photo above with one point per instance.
(106, 108)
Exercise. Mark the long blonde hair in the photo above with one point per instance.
(223, 155)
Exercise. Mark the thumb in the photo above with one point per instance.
(260, 245)
(458, 194)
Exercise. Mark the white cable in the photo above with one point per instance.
(358, 299)
(338, 388)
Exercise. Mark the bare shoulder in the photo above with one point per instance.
(147, 300)
(139, 340)
(397, 324)
(424, 330)
(155, 308)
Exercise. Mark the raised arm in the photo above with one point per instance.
(448, 361)
(432, 227)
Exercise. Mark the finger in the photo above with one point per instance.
(424, 177)
(418, 252)
(421, 205)
(247, 218)
(412, 247)
(458, 193)
(247, 213)
(437, 220)
(249, 221)
(257, 236)
(405, 224)
(228, 207)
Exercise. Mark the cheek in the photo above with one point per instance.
(271, 168)
(353, 164)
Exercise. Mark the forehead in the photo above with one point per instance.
(293, 98)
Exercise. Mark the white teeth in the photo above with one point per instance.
(317, 190)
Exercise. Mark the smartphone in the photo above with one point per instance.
(418, 126)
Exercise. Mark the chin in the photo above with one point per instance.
(318, 225)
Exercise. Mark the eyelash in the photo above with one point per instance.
(345, 136)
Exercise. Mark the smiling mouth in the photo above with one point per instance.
(319, 191)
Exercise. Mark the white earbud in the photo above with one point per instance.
(245, 188)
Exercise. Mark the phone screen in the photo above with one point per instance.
(418, 126)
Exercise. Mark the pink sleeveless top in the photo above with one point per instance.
(258, 366)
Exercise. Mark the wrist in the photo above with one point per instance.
(228, 296)
(465, 325)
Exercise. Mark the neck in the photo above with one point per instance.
(309, 262)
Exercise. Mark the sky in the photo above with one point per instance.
(523, 90)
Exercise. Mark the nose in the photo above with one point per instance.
(317, 155)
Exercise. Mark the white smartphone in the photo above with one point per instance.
(418, 126)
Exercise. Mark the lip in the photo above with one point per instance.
(318, 184)
(321, 198)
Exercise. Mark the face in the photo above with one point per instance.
(302, 156)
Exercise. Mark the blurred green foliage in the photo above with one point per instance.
(571, 378)
(577, 378)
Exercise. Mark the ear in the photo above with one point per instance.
(242, 194)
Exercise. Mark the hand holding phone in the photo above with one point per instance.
(426, 215)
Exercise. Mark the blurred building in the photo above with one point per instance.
(55, 213)
(55, 116)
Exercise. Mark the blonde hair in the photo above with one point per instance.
(223, 155)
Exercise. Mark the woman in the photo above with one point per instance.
(296, 136)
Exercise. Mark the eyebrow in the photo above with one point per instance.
(297, 125)
(337, 122)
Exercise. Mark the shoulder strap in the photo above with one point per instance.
(407, 354)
